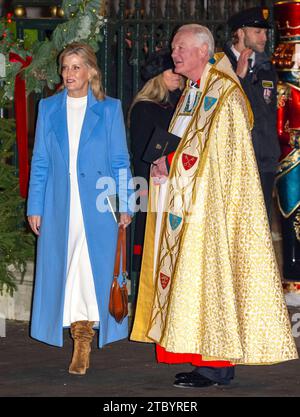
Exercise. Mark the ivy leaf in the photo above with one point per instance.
(92, 5)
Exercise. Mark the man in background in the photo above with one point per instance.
(246, 52)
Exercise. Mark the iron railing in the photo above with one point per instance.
(135, 28)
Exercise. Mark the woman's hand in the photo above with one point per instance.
(35, 223)
(125, 220)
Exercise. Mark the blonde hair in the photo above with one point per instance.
(154, 90)
(88, 55)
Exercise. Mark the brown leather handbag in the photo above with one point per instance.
(118, 299)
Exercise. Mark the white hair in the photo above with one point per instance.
(202, 34)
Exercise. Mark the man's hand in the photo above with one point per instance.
(159, 171)
(243, 64)
(35, 223)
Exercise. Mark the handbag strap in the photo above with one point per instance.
(121, 248)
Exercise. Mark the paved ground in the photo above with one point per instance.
(123, 369)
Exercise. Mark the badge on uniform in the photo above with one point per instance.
(268, 86)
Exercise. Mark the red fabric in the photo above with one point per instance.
(168, 357)
(170, 157)
(137, 249)
(21, 124)
(283, 112)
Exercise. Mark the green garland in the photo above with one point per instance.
(83, 25)
(16, 243)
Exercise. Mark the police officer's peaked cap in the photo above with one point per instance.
(257, 17)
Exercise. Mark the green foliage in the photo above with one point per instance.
(83, 25)
(70, 7)
(16, 243)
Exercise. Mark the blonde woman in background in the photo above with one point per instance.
(153, 106)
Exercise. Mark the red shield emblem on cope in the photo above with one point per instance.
(188, 161)
(164, 280)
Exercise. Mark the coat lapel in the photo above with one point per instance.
(91, 118)
(60, 125)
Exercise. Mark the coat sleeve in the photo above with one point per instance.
(39, 168)
(119, 156)
(141, 128)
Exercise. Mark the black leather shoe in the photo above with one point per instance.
(192, 381)
(184, 375)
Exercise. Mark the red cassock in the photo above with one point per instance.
(168, 357)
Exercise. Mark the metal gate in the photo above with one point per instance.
(135, 28)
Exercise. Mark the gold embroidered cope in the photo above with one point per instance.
(216, 290)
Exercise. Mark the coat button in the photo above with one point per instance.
(99, 172)
(82, 174)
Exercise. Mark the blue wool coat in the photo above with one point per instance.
(102, 153)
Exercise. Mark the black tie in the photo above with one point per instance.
(250, 65)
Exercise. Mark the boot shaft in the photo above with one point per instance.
(82, 333)
(82, 330)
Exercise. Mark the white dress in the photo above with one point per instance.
(80, 297)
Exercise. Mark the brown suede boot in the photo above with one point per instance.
(82, 333)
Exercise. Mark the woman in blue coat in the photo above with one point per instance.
(80, 156)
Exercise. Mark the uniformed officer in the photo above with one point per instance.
(246, 51)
